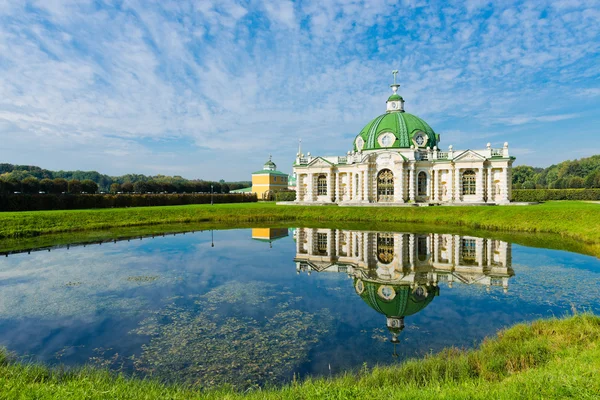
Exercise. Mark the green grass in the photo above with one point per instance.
(557, 358)
(577, 221)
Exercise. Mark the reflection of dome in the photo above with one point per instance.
(402, 126)
(403, 302)
(395, 302)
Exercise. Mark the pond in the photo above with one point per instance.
(250, 307)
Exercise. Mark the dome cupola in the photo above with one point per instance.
(269, 165)
(396, 128)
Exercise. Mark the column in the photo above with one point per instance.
(401, 184)
(479, 185)
(456, 182)
(329, 184)
(309, 196)
(298, 186)
(504, 189)
(411, 183)
(401, 251)
(365, 186)
(411, 251)
(479, 252)
(436, 185)
(350, 185)
(450, 185)
(490, 179)
(357, 195)
(310, 233)
(436, 243)
(489, 252)
(456, 250)
(338, 190)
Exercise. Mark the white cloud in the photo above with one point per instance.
(95, 88)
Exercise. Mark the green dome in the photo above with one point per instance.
(402, 125)
(395, 97)
(405, 303)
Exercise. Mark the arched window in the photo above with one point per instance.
(385, 247)
(322, 185)
(422, 184)
(468, 182)
(385, 185)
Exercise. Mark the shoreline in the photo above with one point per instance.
(550, 358)
(576, 221)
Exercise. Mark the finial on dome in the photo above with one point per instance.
(395, 102)
(395, 85)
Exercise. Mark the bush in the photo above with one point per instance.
(555, 194)
(285, 195)
(38, 202)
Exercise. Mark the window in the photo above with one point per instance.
(422, 184)
(422, 250)
(274, 179)
(322, 185)
(385, 185)
(385, 247)
(468, 182)
(468, 251)
(321, 243)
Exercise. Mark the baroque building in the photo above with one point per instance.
(398, 274)
(395, 159)
(267, 181)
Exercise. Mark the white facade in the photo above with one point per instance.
(402, 164)
(405, 258)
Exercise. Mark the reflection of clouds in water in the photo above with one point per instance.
(75, 282)
(85, 280)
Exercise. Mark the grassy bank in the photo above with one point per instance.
(546, 359)
(576, 220)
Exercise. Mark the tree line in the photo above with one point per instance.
(32, 179)
(571, 174)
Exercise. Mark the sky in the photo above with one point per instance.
(208, 89)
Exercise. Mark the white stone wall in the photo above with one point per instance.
(354, 177)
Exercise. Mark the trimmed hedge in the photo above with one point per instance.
(38, 202)
(555, 194)
(286, 195)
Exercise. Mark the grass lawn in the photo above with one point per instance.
(548, 359)
(577, 221)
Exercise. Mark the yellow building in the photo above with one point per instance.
(268, 181)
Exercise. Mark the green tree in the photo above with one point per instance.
(127, 187)
(89, 186)
(75, 186)
(60, 185)
(115, 188)
(30, 185)
(140, 187)
(47, 185)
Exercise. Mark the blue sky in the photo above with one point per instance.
(208, 89)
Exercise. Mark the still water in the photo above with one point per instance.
(256, 306)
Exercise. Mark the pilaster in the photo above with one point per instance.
(457, 194)
(411, 183)
(490, 178)
(479, 185)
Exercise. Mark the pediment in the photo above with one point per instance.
(469, 155)
(469, 278)
(320, 162)
(319, 266)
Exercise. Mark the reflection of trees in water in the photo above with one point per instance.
(243, 334)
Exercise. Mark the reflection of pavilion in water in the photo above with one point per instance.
(397, 274)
